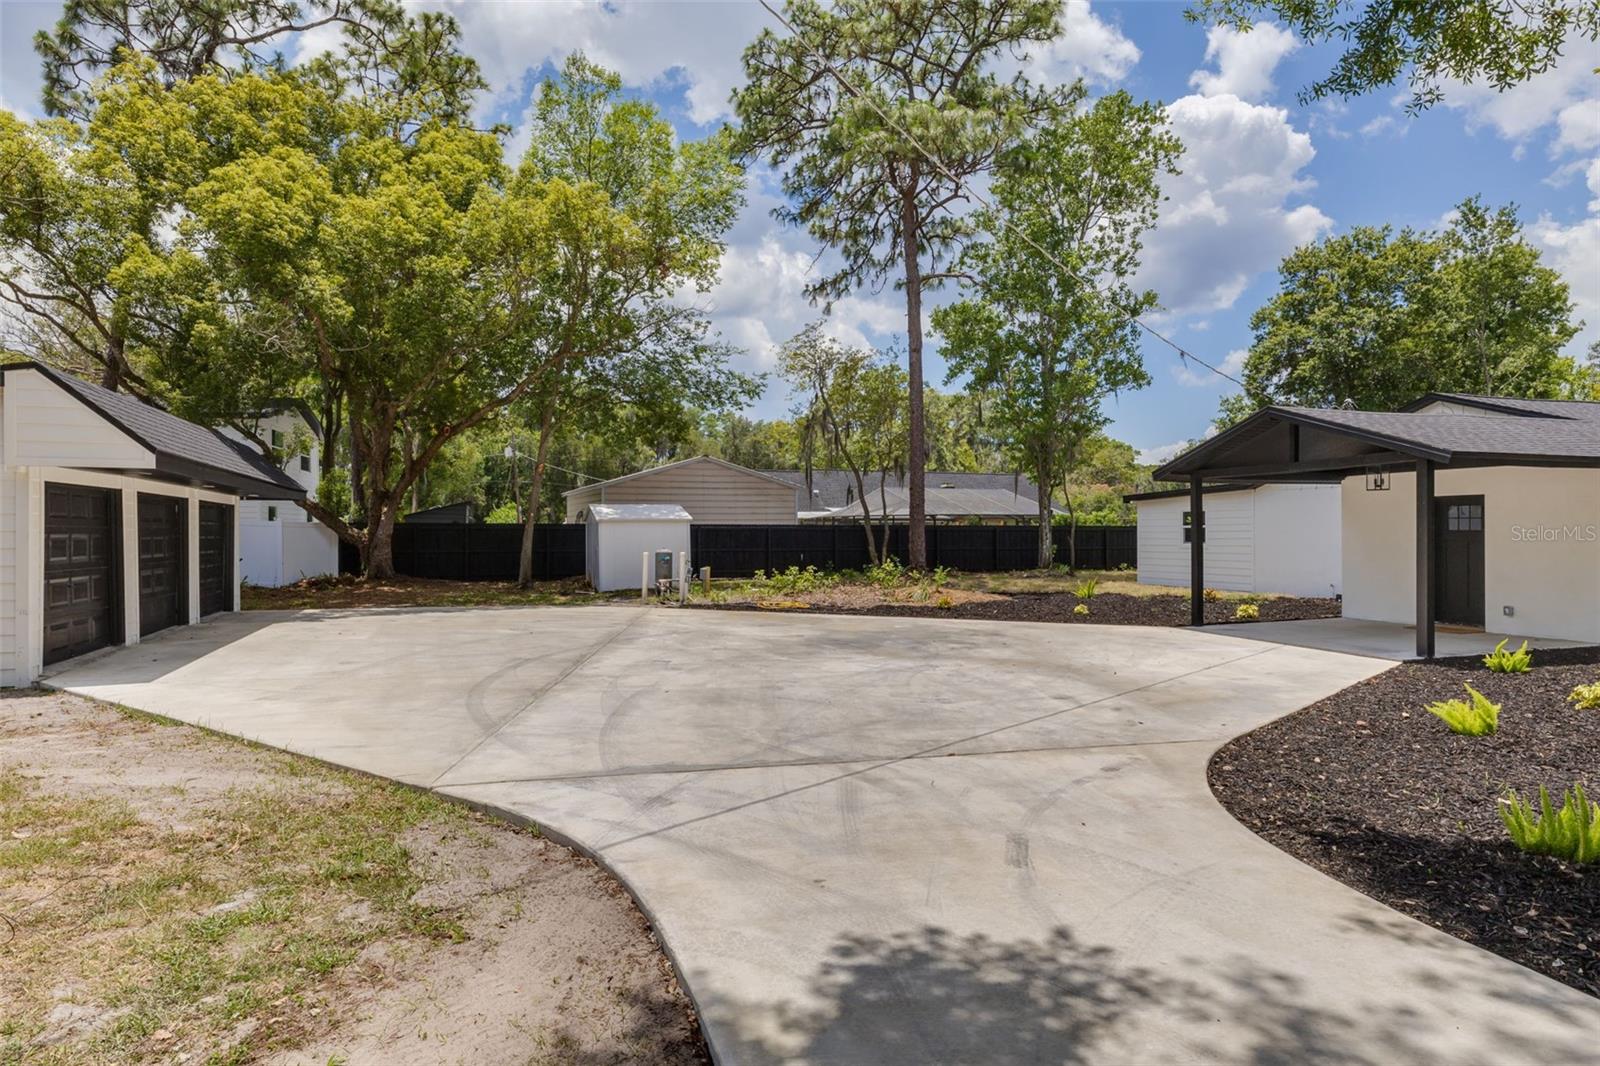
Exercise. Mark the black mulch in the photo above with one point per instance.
(1370, 788)
(1106, 608)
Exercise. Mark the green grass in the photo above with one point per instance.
(126, 909)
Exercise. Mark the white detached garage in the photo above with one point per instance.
(116, 519)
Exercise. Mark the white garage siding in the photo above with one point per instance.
(1271, 539)
(1541, 550)
(8, 563)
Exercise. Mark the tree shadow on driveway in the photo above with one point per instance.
(937, 997)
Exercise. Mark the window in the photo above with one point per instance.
(272, 514)
(305, 462)
(1464, 517)
(277, 438)
(1188, 524)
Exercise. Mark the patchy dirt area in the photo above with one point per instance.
(169, 895)
(1106, 608)
(1372, 789)
(347, 591)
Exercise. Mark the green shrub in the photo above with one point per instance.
(1586, 697)
(940, 576)
(1501, 661)
(1082, 608)
(944, 602)
(791, 582)
(1210, 595)
(1246, 612)
(1086, 589)
(885, 575)
(1476, 719)
(1571, 833)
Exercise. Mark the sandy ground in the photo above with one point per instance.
(549, 960)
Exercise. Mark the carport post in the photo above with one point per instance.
(1426, 536)
(1197, 554)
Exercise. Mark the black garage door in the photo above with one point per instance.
(162, 598)
(80, 553)
(216, 557)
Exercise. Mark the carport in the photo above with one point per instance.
(1465, 438)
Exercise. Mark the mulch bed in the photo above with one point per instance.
(1106, 608)
(1370, 788)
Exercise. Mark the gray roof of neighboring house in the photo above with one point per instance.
(945, 503)
(1580, 409)
(183, 450)
(835, 488)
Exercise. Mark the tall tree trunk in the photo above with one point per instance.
(358, 464)
(1072, 531)
(1047, 542)
(531, 522)
(378, 559)
(917, 532)
(866, 519)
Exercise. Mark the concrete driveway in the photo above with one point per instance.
(892, 841)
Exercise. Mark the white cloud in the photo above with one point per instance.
(1162, 453)
(1087, 48)
(1574, 250)
(1567, 96)
(1198, 377)
(1228, 216)
(1245, 60)
(1381, 125)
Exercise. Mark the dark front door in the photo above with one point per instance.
(162, 592)
(1458, 560)
(80, 555)
(216, 557)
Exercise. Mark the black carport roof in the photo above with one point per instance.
(1310, 444)
(184, 452)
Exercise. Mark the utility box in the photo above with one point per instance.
(618, 535)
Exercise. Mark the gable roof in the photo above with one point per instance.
(835, 488)
(671, 466)
(944, 503)
(1502, 431)
(184, 451)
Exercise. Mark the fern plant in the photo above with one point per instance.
(1247, 612)
(1081, 609)
(1501, 661)
(1476, 719)
(1571, 833)
(1585, 697)
(1086, 589)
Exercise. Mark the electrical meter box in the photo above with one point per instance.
(663, 571)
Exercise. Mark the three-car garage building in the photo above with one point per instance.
(117, 520)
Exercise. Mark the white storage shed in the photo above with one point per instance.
(618, 535)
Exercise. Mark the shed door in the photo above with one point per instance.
(161, 578)
(1458, 560)
(80, 590)
(216, 557)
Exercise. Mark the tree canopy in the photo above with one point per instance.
(1429, 42)
(1375, 318)
(1048, 325)
(876, 114)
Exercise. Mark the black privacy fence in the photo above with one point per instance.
(481, 552)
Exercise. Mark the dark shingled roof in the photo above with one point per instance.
(183, 449)
(835, 488)
(1499, 430)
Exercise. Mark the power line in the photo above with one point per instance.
(828, 67)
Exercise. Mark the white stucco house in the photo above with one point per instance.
(117, 520)
(1478, 512)
(1259, 538)
(280, 544)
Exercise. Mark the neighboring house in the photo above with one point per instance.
(985, 506)
(444, 514)
(280, 544)
(1473, 511)
(117, 520)
(712, 490)
(1259, 538)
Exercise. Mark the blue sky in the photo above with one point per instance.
(1262, 174)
